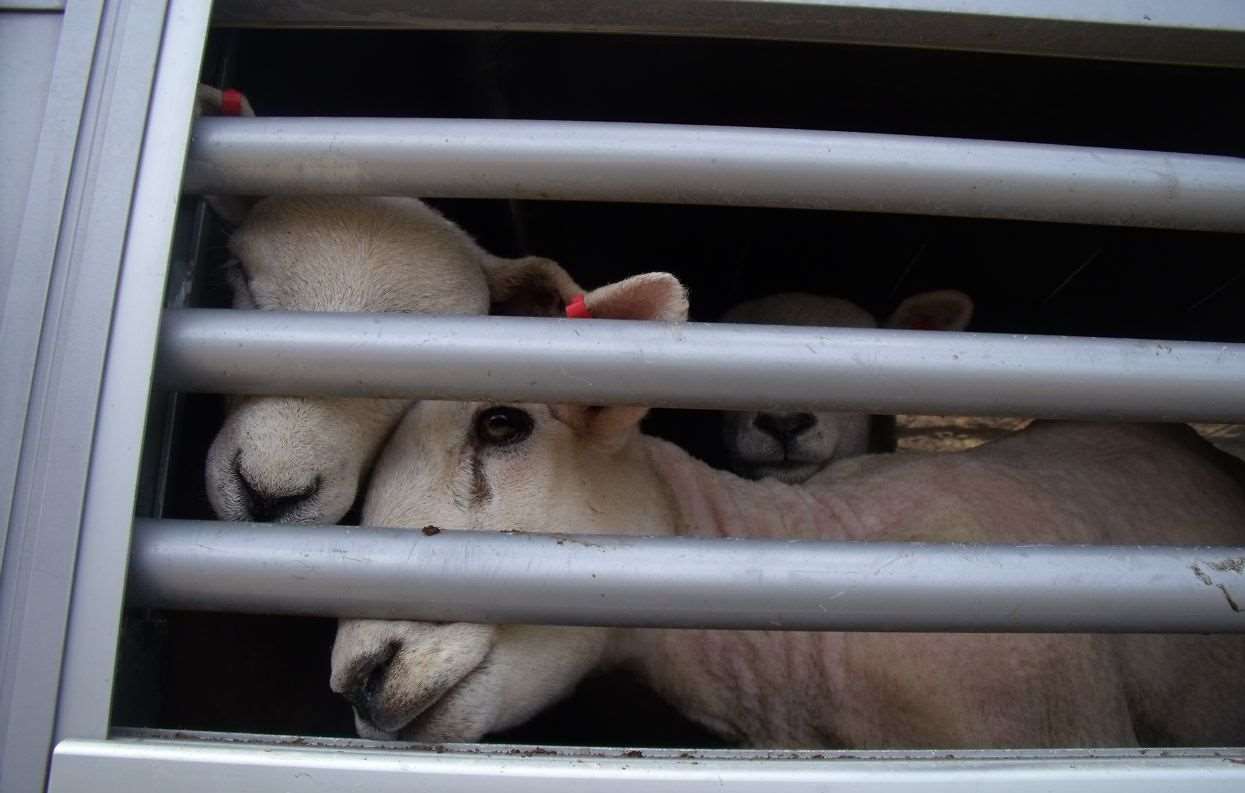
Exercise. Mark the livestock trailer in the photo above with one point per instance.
(1079, 168)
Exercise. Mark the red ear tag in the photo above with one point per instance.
(230, 102)
(578, 309)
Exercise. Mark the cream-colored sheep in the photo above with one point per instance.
(302, 459)
(793, 446)
(525, 467)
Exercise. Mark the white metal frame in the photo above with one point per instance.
(215, 763)
(81, 328)
(84, 301)
(1191, 31)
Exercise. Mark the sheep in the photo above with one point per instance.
(302, 459)
(525, 467)
(298, 459)
(793, 446)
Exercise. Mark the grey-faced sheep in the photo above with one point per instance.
(792, 446)
(554, 467)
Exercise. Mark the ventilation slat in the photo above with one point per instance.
(699, 365)
(489, 577)
(663, 163)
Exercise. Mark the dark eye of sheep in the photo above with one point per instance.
(502, 426)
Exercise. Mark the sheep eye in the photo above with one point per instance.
(502, 426)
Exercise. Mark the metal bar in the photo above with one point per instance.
(596, 161)
(124, 380)
(1193, 31)
(200, 767)
(734, 367)
(681, 582)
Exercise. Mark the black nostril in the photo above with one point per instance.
(359, 702)
(784, 426)
(266, 507)
(800, 423)
(372, 674)
(375, 681)
(767, 423)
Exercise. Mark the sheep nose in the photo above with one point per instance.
(784, 427)
(369, 679)
(267, 507)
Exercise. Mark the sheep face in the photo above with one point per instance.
(302, 460)
(294, 460)
(455, 682)
(497, 467)
(477, 466)
(792, 446)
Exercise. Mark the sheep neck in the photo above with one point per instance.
(727, 679)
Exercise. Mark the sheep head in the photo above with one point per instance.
(303, 459)
(792, 446)
(488, 467)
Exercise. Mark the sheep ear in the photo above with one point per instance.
(529, 287)
(944, 309)
(652, 296)
(210, 101)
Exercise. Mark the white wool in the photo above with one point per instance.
(591, 469)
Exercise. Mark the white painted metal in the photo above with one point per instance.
(684, 582)
(27, 50)
(136, 764)
(32, 5)
(80, 324)
(698, 365)
(1190, 31)
(683, 164)
(57, 327)
(99, 580)
(56, 316)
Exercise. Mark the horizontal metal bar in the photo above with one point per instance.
(595, 161)
(1191, 31)
(126, 764)
(679, 582)
(699, 365)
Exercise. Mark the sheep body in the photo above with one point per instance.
(589, 470)
(1053, 483)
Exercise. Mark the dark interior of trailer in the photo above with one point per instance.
(200, 671)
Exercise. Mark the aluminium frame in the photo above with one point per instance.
(81, 329)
